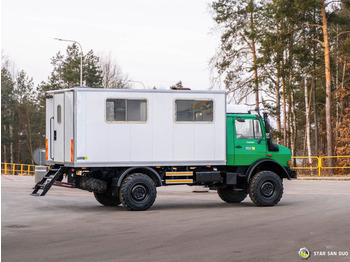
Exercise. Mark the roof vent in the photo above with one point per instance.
(180, 88)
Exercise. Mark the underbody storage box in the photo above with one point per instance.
(208, 176)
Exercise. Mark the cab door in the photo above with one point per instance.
(249, 141)
(58, 128)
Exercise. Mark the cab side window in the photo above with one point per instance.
(248, 129)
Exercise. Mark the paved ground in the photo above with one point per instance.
(69, 225)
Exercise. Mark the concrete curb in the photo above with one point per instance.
(345, 178)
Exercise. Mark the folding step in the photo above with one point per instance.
(53, 175)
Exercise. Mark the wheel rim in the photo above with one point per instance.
(139, 192)
(267, 189)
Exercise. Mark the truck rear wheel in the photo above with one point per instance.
(138, 192)
(107, 199)
(266, 189)
(229, 195)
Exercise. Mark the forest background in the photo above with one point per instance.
(291, 58)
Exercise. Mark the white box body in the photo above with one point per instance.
(79, 133)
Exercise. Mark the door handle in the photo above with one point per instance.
(51, 141)
(238, 146)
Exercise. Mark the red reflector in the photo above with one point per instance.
(63, 184)
(71, 150)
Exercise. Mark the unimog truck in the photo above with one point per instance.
(122, 144)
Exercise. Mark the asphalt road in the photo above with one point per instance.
(70, 225)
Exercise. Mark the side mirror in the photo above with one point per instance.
(267, 124)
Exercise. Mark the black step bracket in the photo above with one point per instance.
(48, 180)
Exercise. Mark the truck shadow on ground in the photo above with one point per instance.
(174, 206)
(163, 207)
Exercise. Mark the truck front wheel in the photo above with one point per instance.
(229, 195)
(138, 192)
(266, 189)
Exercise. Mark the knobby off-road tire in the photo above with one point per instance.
(230, 196)
(266, 189)
(107, 199)
(138, 192)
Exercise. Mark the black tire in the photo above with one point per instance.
(266, 189)
(107, 199)
(229, 195)
(138, 192)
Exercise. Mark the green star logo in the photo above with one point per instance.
(304, 253)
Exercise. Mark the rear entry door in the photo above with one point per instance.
(58, 128)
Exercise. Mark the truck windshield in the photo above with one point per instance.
(249, 129)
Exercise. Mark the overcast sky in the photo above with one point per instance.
(156, 42)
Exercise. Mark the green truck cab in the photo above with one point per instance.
(258, 163)
(248, 142)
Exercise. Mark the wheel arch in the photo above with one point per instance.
(267, 165)
(145, 170)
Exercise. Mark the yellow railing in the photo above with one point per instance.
(312, 163)
(17, 169)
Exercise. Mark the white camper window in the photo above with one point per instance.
(194, 111)
(126, 110)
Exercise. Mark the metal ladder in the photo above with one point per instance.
(53, 174)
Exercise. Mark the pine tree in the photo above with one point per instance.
(66, 70)
(236, 59)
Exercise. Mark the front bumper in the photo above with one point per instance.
(292, 173)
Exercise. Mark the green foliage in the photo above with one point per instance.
(239, 23)
(22, 129)
(66, 70)
(92, 74)
(346, 47)
(288, 35)
(23, 105)
(7, 111)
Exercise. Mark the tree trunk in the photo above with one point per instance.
(29, 134)
(342, 100)
(294, 127)
(291, 108)
(329, 132)
(256, 84)
(278, 105)
(284, 113)
(18, 144)
(313, 90)
(289, 122)
(11, 143)
(4, 150)
(307, 124)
